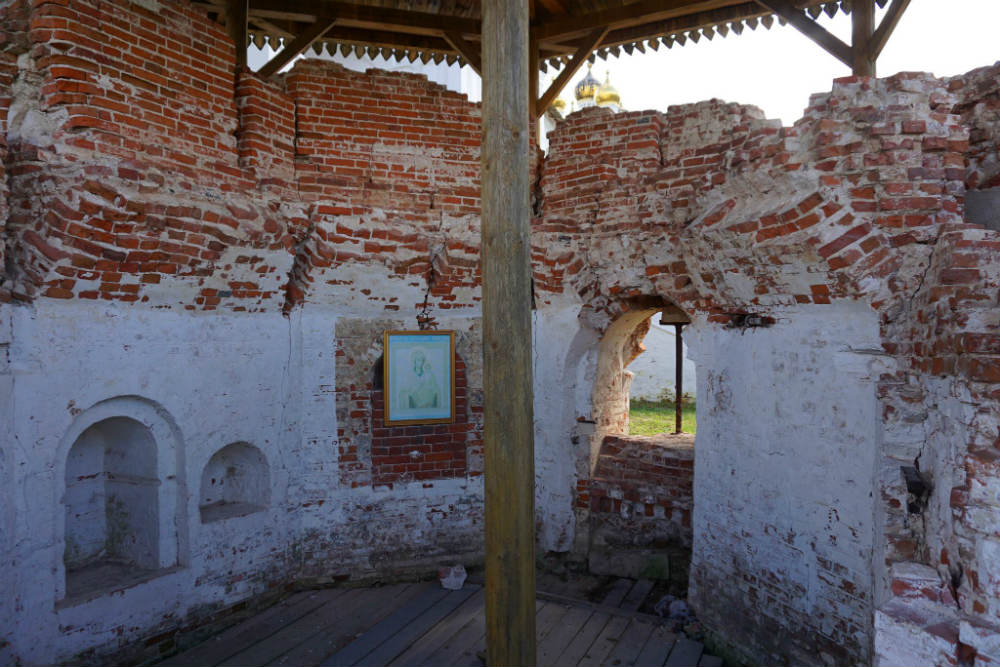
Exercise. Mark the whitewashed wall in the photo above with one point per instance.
(654, 369)
(788, 437)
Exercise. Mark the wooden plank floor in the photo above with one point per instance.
(422, 624)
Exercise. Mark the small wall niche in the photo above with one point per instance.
(236, 482)
(112, 507)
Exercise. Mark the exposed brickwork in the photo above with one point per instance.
(8, 71)
(979, 106)
(427, 451)
(138, 167)
(647, 480)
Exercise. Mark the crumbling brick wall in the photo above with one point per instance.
(640, 498)
(265, 233)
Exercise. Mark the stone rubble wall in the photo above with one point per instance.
(225, 252)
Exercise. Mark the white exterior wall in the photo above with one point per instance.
(653, 370)
(202, 381)
(784, 473)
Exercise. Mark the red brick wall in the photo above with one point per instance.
(648, 479)
(160, 178)
(426, 451)
(8, 70)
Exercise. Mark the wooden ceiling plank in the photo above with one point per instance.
(686, 23)
(555, 7)
(296, 46)
(468, 51)
(811, 29)
(887, 26)
(644, 11)
(582, 53)
(271, 28)
(381, 18)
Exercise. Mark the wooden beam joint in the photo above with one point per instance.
(583, 51)
(471, 53)
(297, 46)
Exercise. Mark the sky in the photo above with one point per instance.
(778, 69)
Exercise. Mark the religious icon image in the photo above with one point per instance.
(419, 378)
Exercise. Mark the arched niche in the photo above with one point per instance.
(121, 463)
(236, 481)
(112, 508)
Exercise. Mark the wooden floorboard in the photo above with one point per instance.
(584, 639)
(423, 624)
(630, 643)
(416, 628)
(685, 653)
(424, 647)
(657, 647)
(233, 640)
(554, 645)
(353, 653)
(367, 609)
(637, 595)
(617, 594)
(295, 633)
(605, 642)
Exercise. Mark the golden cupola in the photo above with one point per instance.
(607, 95)
(587, 87)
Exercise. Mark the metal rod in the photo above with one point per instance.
(678, 373)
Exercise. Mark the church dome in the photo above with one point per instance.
(607, 94)
(587, 87)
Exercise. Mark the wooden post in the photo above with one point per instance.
(678, 374)
(505, 255)
(236, 24)
(863, 22)
(533, 109)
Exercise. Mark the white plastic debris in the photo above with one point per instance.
(452, 577)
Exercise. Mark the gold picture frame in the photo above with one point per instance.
(416, 389)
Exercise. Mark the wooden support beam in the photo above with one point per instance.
(863, 27)
(508, 422)
(297, 46)
(468, 51)
(886, 27)
(236, 25)
(582, 53)
(811, 29)
(533, 108)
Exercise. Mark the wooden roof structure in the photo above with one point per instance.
(563, 33)
(507, 42)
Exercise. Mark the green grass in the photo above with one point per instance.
(655, 417)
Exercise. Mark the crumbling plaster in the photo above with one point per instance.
(213, 251)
